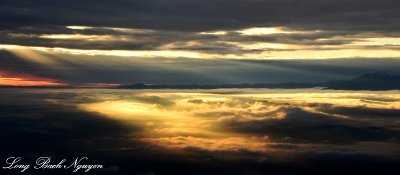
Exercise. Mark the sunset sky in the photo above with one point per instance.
(186, 87)
(82, 43)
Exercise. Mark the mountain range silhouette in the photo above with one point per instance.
(370, 81)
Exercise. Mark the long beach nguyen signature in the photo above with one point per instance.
(46, 163)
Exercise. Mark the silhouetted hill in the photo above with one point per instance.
(374, 81)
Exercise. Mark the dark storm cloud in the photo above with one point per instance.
(136, 39)
(177, 21)
(195, 15)
(125, 40)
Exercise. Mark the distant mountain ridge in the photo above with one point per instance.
(369, 81)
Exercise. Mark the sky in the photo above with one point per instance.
(107, 43)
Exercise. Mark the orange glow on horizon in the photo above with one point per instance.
(28, 81)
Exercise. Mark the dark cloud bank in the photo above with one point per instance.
(152, 25)
(177, 21)
(194, 15)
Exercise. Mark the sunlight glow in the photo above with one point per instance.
(270, 30)
(379, 42)
(214, 33)
(33, 55)
(27, 81)
(284, 54)
(79, 27)
(197, 119)
(78, 37)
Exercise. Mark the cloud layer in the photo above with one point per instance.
(107, 43)
(255, 29)
(256, 132)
